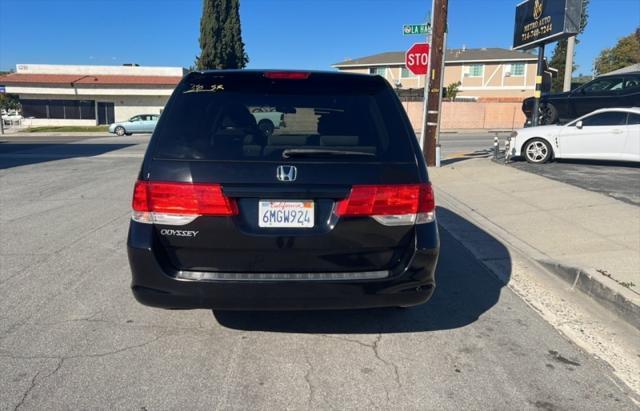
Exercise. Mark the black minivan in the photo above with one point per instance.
(331, 210)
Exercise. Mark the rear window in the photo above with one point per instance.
(246, 117)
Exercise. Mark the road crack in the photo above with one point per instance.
(375, 348)
(34, 382)
(307, 378)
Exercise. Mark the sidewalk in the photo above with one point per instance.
(18, 133)
(589, 239)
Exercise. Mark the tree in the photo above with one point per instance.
(625, 53)
(221, 45)
(452, 90)
(9, 102)
(559, 58)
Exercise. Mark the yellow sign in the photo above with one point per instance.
(537, 9)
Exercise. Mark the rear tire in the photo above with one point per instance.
(548, 114)
(120, 131)
(537, 151)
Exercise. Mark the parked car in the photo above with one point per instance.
(605, 134)
(11, 117)
(338, 215)
(142, 123)
(268, 121)
(618, 90)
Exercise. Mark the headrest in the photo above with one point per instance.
(287, 140)
(339, 140)
(237, 115)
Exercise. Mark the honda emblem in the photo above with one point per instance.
(286, 173)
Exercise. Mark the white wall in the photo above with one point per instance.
(36, 122)
(128, 106)
(113, 70)
(51, 92)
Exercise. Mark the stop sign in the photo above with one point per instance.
(417, 58)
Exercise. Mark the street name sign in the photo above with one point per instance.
(411, 29)
(417, 58)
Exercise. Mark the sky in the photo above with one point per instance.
(288, 34)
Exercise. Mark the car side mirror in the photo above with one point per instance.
(579, 124)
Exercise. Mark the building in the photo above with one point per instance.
(634, 68)
(89, 95)
(485, 73)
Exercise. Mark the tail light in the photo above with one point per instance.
(287, 75)
(179, 203)
(405, 204)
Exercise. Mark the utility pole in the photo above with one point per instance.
(568, 67)
(430, 125)
(535, 115)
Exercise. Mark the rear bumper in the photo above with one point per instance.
(154, 283)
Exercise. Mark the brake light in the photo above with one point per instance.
(179, 203)
(287, 75)
(390, 204)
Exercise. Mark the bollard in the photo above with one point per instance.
(495, 147)
(507, 150)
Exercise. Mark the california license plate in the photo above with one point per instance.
(289, 214)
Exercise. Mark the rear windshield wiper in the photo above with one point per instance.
(316, 152)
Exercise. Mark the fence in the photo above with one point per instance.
(484, 114)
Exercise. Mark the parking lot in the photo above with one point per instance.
(616, 179)
(72, 336)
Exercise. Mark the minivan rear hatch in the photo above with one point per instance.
(284, 151)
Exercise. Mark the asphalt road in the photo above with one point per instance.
(73, 337)
(620, 180)
(456, 145)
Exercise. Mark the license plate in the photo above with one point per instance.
(290, 214)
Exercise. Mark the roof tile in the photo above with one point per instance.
(72, 79)
(452, 55)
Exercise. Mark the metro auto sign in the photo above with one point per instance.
(542, 21)
(417, 58)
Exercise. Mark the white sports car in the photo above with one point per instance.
(605, 134)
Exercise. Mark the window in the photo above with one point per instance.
(633, 119)
(632, 83)
(59, 109)
(517, 70)
(360, 116)
(56, 108)
(603, 85)
(381, 71)
(406, 73)
(87, 109)
(34, 108)
(609, 118)
(476, 70)
(134, 119)
(72, 109)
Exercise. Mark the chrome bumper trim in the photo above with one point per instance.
(219, 276)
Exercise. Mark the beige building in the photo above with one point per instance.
(485, 73)
(89, 95)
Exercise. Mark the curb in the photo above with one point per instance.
(583, 280)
